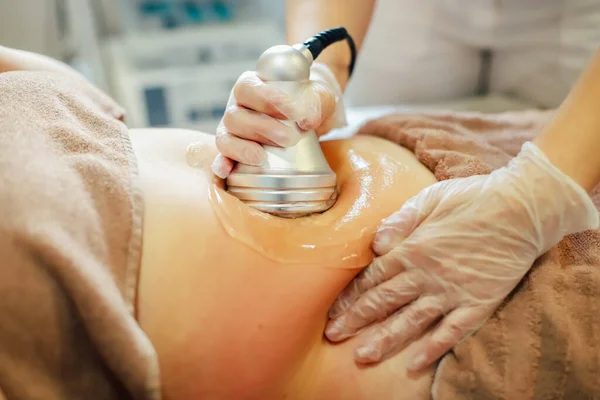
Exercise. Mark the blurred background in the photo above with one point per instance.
(168, 62)
(173, 62)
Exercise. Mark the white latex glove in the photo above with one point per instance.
(454, 252)
(255, 108)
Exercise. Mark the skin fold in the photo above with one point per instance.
(234, 318)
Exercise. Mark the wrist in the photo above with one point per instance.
(337, 58)
(571, 141)
(556, 203)
(321, 72)
(341, 73)
(576, 161)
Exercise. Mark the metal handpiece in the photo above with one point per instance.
(294, 181)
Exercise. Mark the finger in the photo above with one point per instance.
(376, 304)
(399, 329)
(251, 125)
(314, 112)
(396, 228)
(380, 270)
(456, 326)
(222, 166)
(240, 150)
(404, 222)
(325, 86)
(251, 92)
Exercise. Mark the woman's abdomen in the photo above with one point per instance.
(226, 321)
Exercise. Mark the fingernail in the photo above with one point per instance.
(417, 362)
(381, 242)
(367, 353)
(217, 168)
(304, 124)
(334, 330)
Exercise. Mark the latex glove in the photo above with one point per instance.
(255, 108)
(454, 252)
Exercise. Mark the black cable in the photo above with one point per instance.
(322, 40)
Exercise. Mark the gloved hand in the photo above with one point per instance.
(454, 252)
(253, 111)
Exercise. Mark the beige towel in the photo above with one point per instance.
(70, 243)
(544, 341)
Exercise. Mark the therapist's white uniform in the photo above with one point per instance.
(434, 50)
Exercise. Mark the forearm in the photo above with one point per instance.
(305, 18)
(20, 60)
(572, 140)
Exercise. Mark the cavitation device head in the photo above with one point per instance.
(294, 181)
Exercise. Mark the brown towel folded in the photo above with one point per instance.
(544, 341)
(70, 245)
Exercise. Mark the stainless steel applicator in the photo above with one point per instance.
(294, 181)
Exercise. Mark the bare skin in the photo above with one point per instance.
(21, 60)
(304, 18)
(231, 322)
(574, 133)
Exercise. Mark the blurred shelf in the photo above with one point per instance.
(183, 78)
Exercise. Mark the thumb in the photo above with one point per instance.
(402, 223)
(318, 107)
(454, 328)
(328, 95)
(334, 117)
